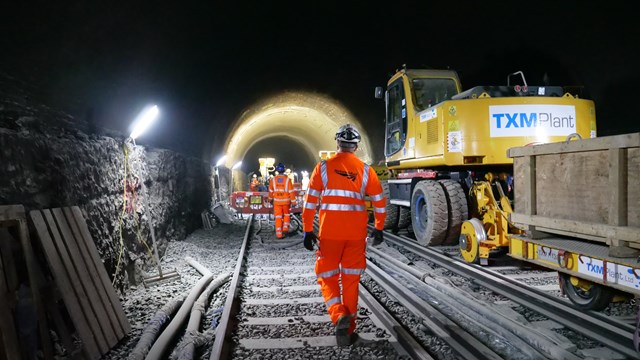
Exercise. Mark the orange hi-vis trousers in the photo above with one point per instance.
(283, 219)
(331, 272)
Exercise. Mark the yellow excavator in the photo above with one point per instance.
(450, 178)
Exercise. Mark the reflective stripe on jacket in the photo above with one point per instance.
(338, 186)
(281, 190)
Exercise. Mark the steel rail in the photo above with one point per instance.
(461, 342)
(534, 344)
(221, 345)
(616, 335)
(405, 341)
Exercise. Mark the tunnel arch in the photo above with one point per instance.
(308, 118)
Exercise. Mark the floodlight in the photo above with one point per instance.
(144, 120)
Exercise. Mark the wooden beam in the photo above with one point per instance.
(86, 242)
(580, 228)
(618, 187)
(85, 282)
(595, 144)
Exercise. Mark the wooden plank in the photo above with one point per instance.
(100, 269)
(53, 311)
(633, 184)
(29, 257)
(76, 283)
(585, 145)
(8, 336)
(79, 243)
(86, 282)
(617, 187)
(578, 228)
(6, 251)
(63, 281)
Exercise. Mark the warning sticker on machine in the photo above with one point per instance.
(454, 141)
(532, 120)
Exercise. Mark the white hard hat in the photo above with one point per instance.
(347, 133)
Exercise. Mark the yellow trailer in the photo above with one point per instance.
(577, 211)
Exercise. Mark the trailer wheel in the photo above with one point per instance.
(457, 208)
(391, 221)
(585, 294)
(429, 217)
(404, 217)
(471, 234)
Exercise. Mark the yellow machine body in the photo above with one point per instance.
(443, 127)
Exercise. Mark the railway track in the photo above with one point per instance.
(275, 310)
(612, 338)
(412, 298)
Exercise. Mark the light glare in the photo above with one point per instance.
(144, 121)
(221, 161)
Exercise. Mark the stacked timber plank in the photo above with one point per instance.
(589, 189)
(207, 222)
(22, 310)
(36, 297)
(87, 292)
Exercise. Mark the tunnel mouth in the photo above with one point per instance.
(308, 119)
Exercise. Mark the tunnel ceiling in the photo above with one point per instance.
(306, 119)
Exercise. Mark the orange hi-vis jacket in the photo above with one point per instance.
(281, 191)
(254, 185)
(339, 186)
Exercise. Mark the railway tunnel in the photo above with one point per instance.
(291, 127)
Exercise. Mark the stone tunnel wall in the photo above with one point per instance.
(49, 159)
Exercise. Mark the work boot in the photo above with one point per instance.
(342, 330)
(354, 338)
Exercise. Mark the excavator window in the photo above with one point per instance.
(396, 118)
(428, 92)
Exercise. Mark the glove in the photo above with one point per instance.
(310, 240)
(377, 237)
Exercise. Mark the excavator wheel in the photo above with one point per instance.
(471, 234)
(429, 215)
(391, 221)
(585, 294)
(457, 209)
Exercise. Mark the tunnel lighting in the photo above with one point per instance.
(237, 165)
(221, 161)
(144, 120)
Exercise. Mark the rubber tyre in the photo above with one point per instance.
(596, 299)
(429, 215)
(404, 217)
(391, 221)
(457, 208)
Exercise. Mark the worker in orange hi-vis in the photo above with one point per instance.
(283, 196)
(338, 186)
(254, 183)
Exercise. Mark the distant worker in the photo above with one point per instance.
(283, 195)
(261, 186)
(254, 183)
(305, 180)
(339, 184)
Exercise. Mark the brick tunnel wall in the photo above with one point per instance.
(49, 159)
